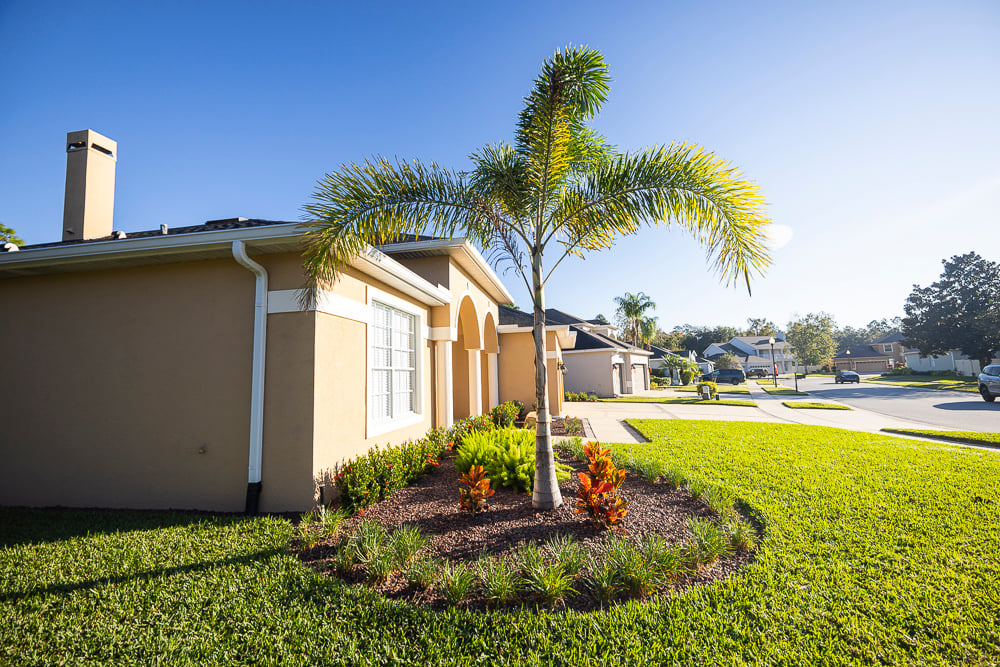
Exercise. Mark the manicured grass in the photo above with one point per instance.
(955, 383)
(815, 404)
(875, 549)
(722, 388)
(780, 390)
(679, 401)
(973, 437)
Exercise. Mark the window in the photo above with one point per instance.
(887, 348)
(394, 372)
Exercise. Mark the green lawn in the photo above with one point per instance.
(722, 388)
(953, 383)
(780, 390)
(818, 405)
(680, 401)
(876, 550)
(973, 437)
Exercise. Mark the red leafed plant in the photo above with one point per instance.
(598, 493)
(474, 498)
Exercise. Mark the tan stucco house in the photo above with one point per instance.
(176, 368)
(882, 355)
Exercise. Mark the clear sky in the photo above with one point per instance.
(873, 127)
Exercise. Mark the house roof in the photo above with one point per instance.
(895, 337)
(740, 355)
(860, 352)
(763, 340)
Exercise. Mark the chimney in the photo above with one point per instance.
(90, 186)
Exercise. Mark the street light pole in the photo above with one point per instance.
(774, 367)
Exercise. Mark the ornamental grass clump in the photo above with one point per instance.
(549, 583)
(498, 578)
(603, 580)
(456, 583)
(598, 493)
(424, 572)
(567, 553)
(709, 544)
(367, 541)
(742, 537)
(404, 543)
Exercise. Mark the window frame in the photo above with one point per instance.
(377, 425)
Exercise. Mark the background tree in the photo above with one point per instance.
(728, 360)
(8, 235)
(759, 326)
(600, 318)
(704, 336)
(647, 331)
(812, 338)
(959, 311)
(560, 187)
(631, 309)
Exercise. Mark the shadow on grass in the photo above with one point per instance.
(26, 525)
(14, 596)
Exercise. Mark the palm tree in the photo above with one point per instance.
(631, 311)
(647, 330)
(560, 187)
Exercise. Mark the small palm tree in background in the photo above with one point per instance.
(559, 188)
(631, 312)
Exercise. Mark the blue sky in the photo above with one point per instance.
(872, 126)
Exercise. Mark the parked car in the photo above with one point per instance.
(989, 383)
(730, 375)
(756, 373)
(847, 376)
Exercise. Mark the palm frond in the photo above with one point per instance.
(680, 184)
(378, 202)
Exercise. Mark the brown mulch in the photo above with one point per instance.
(431, 504)
(559, 427)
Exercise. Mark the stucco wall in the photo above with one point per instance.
(516, 367)
(127, 388)
(589, 372)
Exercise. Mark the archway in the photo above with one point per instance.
(466, 362)
(488, 362)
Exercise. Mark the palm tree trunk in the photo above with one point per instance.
(546, 495)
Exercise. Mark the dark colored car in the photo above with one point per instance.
(756, 373)
(847, 376)
(989, 383)
(730, 375)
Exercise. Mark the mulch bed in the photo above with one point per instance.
(431, 504)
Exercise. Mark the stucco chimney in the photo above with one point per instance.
(90, 186)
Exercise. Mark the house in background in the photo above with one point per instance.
(877, 357)
(597, 363)
(755, 352)
(954, 361)
(176, 368)
(517, 359)
(657, 360)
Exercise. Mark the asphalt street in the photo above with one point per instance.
(951, 410)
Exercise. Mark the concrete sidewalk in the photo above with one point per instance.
(607, 419)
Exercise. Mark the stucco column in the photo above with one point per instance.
(475, 382)
(494, 378)
(444, 406)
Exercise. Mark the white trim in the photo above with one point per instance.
(259, 348)
(467, 255)
(443, 333)
(374, 427)
(514, 328)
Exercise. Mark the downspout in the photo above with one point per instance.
(257, 378)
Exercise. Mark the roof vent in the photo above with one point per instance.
(163, 229)
(9, 247)
(118, 235)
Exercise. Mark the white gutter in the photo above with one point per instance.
(257, 377)
(456, 246)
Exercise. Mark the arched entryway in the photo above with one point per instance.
(488, 363)
(466, 364)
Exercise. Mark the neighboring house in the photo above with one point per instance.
(176, 368)
(882, 355)
(953, 361)
(517, 360)
(656, 361)
(596, 363)
(755, 352)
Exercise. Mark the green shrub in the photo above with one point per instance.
(456, 582)
(550, 583)
(505, 414)
(567, 553)
(498, 579)
(712, 388)
(686, 377)
(461, 429)
(382, 471)
(508, 455)
(423, 573)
